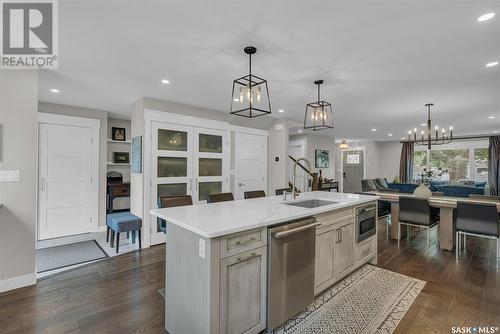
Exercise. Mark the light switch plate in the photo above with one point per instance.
(10, 176)
(201, 248)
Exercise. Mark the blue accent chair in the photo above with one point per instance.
(122, 222)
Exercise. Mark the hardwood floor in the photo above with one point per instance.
(120, 294)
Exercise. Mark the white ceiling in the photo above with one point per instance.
(381, 60)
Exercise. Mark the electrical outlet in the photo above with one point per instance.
(201, 248)
(10, 176)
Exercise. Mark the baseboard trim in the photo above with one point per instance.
(17, 282)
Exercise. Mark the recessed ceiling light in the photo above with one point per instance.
(165, 81)
(300, 131)
(423, 124)
(373, 130)
(486, 17)
(402, 138)
(236, 100)
(491, 117)
(389, 134)
(493, 63)
(281, 110)
(495, 131)
(54, 90)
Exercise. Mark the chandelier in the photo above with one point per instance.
(250, 96)
(318, 114)
(427, 138)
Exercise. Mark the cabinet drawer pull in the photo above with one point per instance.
(249, 257)
(239, 243)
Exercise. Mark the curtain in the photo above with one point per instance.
(494, 165)
(406, 163)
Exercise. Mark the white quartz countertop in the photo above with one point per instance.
(218, 219)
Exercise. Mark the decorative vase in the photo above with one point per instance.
(422, 191)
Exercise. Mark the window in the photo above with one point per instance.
(481, 165)
(453, 164)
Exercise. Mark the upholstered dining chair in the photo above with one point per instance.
(414, 211)
(254, 194)
(222, 197)
(479, 220)
(170, 202)
(280, 191)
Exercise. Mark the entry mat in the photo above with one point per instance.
(370, 300)
(57, 257)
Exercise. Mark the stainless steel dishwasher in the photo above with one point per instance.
(290, 270)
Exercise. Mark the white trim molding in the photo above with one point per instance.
(17, 282)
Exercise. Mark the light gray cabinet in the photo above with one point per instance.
(324, 262)
(243, 292)
(344, 249)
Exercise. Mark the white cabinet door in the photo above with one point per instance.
(250, 163)
(324, 263)
(344, 249)
(211, 163)
(67, 191)
(243, 293)
(171, 167)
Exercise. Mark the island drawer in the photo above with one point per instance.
(334, 217)
(243, 241)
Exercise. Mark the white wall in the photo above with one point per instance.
(388, 157)
(318, 142)
(381, 158)
(18, 151)
(103, 144)
(277, 146)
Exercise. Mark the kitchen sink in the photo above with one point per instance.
(311, 203)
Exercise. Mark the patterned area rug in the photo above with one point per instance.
(370, 300)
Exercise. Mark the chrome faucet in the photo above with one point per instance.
(294, 191)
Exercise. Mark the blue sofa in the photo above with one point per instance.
(405, 188)
(461, 191)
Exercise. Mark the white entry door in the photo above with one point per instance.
(68, 178)
(250, 164)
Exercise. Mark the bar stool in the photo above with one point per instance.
(414, 211)
(222, 197)
(171, 202)
(479, 220)
(280, 191)
(254, 194)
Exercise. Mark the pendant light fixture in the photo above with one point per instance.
(319, 115)
(343, 145)
(426, 138)
(250, 96)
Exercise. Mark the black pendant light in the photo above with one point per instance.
(250, 97)
(319, 115)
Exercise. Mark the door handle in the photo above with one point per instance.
(279, 235)
(241, 184)
(338, 236)
(43, 184)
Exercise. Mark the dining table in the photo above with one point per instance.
(446, 206)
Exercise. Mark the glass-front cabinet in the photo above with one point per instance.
(186, 161)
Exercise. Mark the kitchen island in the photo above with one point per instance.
(217, 256)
